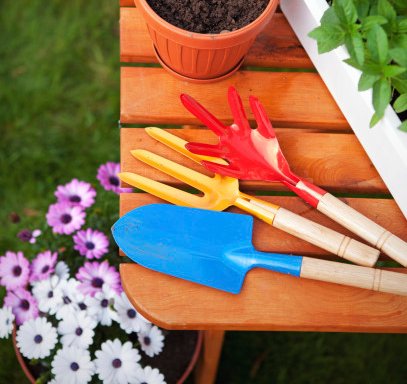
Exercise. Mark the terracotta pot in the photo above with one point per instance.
(201, 57)
(187, 372)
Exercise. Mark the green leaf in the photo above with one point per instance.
(399, 83)
(401, 6)
(327, 37)
(400, 105)
(362, 8)
(374, 120)
(399, 55)
(400, 41)
(353, 63)
(393, 70)
(330, 17)
(377, 44)
(372, 68)
(373, 8)
(369, 21)
(366, 81)
(368, 67)
(402, 25)
(386, 9)
(381, 96)
(403, 126)
(346, 11)
(354, 44)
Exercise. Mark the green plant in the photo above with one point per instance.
(375, 34)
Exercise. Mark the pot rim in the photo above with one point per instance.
(209, 36)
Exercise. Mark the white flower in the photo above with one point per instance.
(148, 375)
(35, 233)
(62, 270)
(36, 338)
(6, 322)
(77, 330)
(129, 319)
(70, 298)
(116, 363)
(151, 340)
(72, 365)
(84, 306)
(48, 294)
(59, 296)
(101, 305)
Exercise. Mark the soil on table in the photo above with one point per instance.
(209, 16)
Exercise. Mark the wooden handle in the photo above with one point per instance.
(376, 235)
(325, 238)
(355, 276)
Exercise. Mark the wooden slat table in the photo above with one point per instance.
(318, 144)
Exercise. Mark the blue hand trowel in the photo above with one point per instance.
(215, 249)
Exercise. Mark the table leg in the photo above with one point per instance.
(209, 360)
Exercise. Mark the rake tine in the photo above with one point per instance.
(263, 122)
(225, 170)
(187, 175)
(237, 109)
(178, 144)
(214, 150)
(163, 191)
(202, 114)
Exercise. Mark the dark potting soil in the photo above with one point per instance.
(209, 16)
(179, 347)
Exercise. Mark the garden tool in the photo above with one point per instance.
(221, 192)
(215, 249)
(255, 154)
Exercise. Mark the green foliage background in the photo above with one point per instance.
(59, 106)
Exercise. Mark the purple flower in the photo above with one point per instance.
(94, 274)
(64, 218)
(91, 243)
(108, 177)
(76, 193)
(43, 265)
(29, 236)
(14, 270)
(23, 305)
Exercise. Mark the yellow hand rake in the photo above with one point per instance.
(221, 192)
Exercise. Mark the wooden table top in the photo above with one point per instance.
(319, 145)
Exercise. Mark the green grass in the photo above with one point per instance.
(59, 106)
(313, 358)
(59, 98)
